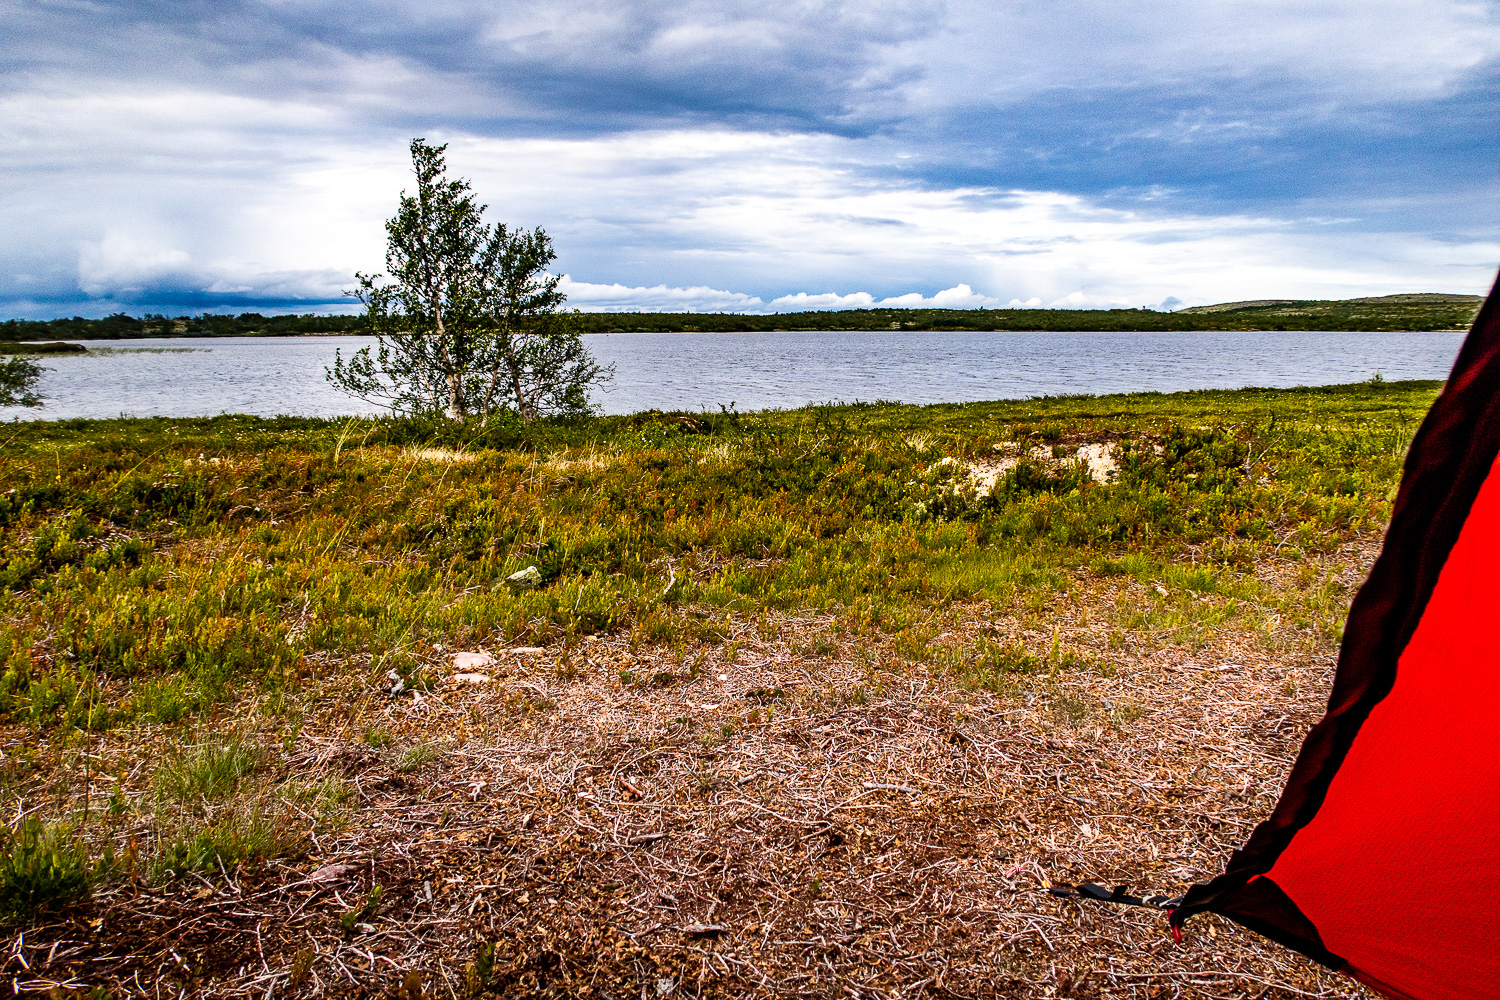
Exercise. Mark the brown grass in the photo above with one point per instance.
(787, 814)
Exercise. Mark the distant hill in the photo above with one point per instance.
(1416, 312)
(1411, 311)
(1422, 297)
(1439, 299)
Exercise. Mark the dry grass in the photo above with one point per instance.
(589, 459)
(443, 455)
(786, 814)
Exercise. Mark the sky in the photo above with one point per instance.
(214, 155)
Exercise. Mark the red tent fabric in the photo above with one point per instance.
(1382, 858)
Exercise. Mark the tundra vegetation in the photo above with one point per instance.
(800, 698)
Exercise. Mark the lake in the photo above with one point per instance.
(689, 371)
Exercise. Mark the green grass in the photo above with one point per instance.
(151, 568)
(220, 804)
(208, 773)
(44, 867)
(232, 838)
(415, 757)
(180, 573)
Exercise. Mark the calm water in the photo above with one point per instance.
(690, 371)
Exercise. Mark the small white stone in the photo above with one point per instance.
(528, 577)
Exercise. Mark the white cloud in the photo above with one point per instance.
(804, 302)
(119, 263)
(120, 269)
(960, 296)
(660, 298)
(1357, 51)
(760, 212)
(1082, 300)
(256, 152)
(655, 59)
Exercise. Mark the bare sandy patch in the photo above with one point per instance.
(985, 472)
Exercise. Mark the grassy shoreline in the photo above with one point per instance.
(228, 665)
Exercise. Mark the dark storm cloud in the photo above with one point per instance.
(551, 66)
(1243, 145)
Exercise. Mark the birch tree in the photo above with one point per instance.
(469, 321)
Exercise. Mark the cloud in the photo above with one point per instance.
(684, 219)
(1082, 300)
(803, 302)
(565, 64)
(960, 296)
(577, 63)
(660, 298)
(1357, 51)
(678, 148)
(120, 271)
(118, 265)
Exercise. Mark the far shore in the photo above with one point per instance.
(1412, 313)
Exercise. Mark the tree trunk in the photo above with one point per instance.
(455, 376)
(523, 405)
(455, 396)
(513, 369)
